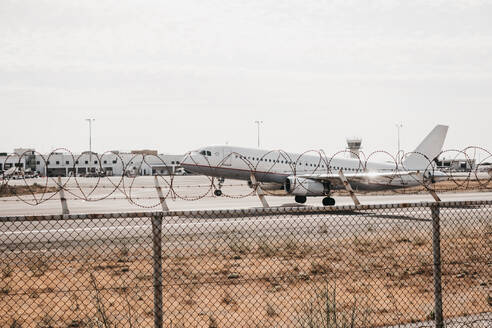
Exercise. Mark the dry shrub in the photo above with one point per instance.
(38, 265)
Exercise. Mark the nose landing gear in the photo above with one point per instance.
(218, 191)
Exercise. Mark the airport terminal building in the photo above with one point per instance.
(141, 162)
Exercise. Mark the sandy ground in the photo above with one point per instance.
(382, 275)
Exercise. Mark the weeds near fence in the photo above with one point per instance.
(238, 244)
(38, 265)
(7, 271)
(323, 310)
(101, 310)
(15, 324)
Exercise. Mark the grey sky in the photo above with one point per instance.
(175, 75)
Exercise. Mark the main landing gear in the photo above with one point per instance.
(218, 191)
(328, 201)
(300, 199)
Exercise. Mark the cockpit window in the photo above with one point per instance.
(203, 153)
(209, 153)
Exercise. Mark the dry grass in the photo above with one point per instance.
(374, 280)
(7, 190)
(446, 186)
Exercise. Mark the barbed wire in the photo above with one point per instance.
(309, 170)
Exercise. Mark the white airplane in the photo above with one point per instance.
(303, 175)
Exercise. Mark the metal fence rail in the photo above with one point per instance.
(415, 264)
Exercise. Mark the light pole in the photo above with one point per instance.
(258, 124)
(398, 127)
(90, 120)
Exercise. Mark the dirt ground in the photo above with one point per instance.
(373, 278)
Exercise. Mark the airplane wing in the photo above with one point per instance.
(369, 180)
(392, 179)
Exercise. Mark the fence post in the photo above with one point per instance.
(157, 257)
(63, 200)
(436, 250)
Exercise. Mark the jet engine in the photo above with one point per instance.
(304, 187)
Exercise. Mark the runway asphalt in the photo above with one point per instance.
(193, 193)
(70, 230)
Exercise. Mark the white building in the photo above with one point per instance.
(109, 163)
(456, 164)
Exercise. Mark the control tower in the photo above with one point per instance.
(354, 145)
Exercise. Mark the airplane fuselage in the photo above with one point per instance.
(314, 174)
(275, 166)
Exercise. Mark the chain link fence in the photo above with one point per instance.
(410, 265)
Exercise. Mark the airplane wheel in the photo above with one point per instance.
(218, 192)
(300, 199)
(328, 201)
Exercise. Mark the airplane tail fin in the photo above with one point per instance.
(428, 149)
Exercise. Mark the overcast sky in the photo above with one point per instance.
(176, 75)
